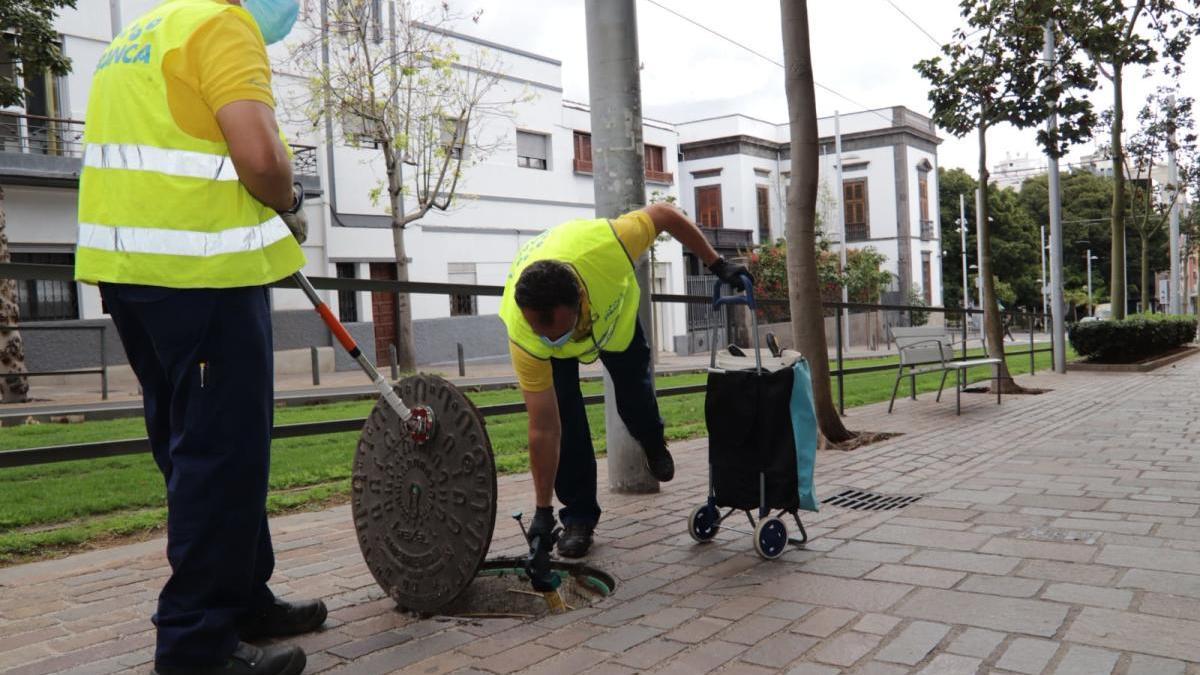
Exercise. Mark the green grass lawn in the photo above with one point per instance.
(56, 507)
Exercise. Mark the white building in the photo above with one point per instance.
(1014, 171)
(728, 172)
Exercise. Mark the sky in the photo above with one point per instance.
(862, 49)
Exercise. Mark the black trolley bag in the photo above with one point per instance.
(751, 442)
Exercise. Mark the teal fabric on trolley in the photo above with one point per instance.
(804, 429)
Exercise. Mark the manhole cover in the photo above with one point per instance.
(863, 500)
(501, 590)
(424, 513)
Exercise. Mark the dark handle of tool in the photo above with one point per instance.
(537, 565)
(747, 299)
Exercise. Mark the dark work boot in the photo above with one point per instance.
(658, 461)
(282, 618)
(575, 541)
(248, 660)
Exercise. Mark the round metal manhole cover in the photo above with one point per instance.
(425, 513)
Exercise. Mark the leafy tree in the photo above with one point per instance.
(1118, 34)
(991, 73)
(804, 295)
(34, 48)
(412, 97)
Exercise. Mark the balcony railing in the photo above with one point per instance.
(37, 135)
(304, 160)
(728, 239)
(660, 176)
(927, 230)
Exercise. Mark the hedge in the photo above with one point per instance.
(1135, 338)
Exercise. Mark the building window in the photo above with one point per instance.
(42, 300)
(764, 214)
(923, 192)
(532, 150)
(583, 152)
(708, 206)
(927, 277)
(359, 131)
(347, 300)
(656, 168)
(856, 212)
(454, 136)
(462, 304)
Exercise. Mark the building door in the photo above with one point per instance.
(383, 309)
(927, 277)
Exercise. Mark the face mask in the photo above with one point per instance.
(275, 18)
(562, 340)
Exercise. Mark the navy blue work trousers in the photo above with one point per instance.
(205, 363)
(575, 483)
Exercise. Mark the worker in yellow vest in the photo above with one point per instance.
(571, 296)
(187, 210)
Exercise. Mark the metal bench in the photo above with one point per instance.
(931, 350)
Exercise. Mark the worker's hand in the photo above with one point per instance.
(731, 273)
(294, 217)
(543, 522)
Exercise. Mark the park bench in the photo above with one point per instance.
(931, 350)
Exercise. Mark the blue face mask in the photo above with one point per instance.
(275, 18)
(562, 340)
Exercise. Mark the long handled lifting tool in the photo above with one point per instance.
(418, 420)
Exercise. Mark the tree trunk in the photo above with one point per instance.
(406, 358)
(1116, 286)
(993, 323)
(804, 292)
(13, 388)
(1145, 255)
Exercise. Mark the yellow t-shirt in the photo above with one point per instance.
(636, 232)
(222, 62)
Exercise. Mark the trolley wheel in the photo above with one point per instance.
(704, 522)
(770, 537)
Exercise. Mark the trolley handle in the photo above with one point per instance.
(747, 299)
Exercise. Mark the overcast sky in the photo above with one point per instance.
(863, 49)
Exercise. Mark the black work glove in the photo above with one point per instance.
(543, 534)
(731, 273)
(294, 217)
(543, 522)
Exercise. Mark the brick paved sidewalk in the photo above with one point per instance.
(1059, 533)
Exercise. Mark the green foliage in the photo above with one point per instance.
(917, 299)
(1134, 338)
(865, 277)
(37, 47)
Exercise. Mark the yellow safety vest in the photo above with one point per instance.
(599, 259)
(158, 206)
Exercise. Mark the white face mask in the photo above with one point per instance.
(275, 18)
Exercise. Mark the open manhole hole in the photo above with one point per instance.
(501, 590)
(865, 500)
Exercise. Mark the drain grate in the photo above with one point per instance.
(863, 500)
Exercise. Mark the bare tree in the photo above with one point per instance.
(804, 291)
(394, 80)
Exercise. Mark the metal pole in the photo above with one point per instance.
(1173, 295)
(962, 232)
(1043, 230)
(316, 366)
(462, 366)
(841, 219)
(619, 186)
(841, 382)
(1032, 363)
(114, 11)
(1057, 305)
(103, 363)
(979, 249)
(392, 361)
(1091, 311)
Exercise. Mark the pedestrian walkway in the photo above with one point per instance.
(1056, 534)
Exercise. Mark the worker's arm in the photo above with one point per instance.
(545, 433)
(671, 220)
(258, 155)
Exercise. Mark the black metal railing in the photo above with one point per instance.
(304, 160)
(24, 457)
(37, 135)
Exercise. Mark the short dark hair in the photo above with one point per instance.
(544, 285)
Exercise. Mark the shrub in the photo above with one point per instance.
(1137, 337)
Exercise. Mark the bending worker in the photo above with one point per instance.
(571, 296)
(187, 211)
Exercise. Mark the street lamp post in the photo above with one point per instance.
(1089, 273)
(962, 232)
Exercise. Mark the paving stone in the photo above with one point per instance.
(519, 658)
(865, 596)
(976, 642)
(1026, 655)
(845, 649)
(1126, 631)
(1163, 582)
(1089, 595)
(621, 639)
(1151, 508)
(1086, 661)
(824, 622)
(1140, 664)
(917, 576)
(751, 630)
(1011, 586)
(880, 668)
(861, 550)
(913, 643)
(876, 624)
(1174, 606)
(698, 629)
(781, 609)
(650, 653)
(736, 608)
(949, 664)
(700, 659)
(1045, 550)
(1079, 573)
(839, 567)
(1053, 502)
(669, 617)
(1115, 526)
(966, 562)
(1186, 562)
(926, 538)
(778, 650)
(1014, 615)
(814, 669)
(573, 660)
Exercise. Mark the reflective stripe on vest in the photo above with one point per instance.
(182, 242)
(182, 163)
